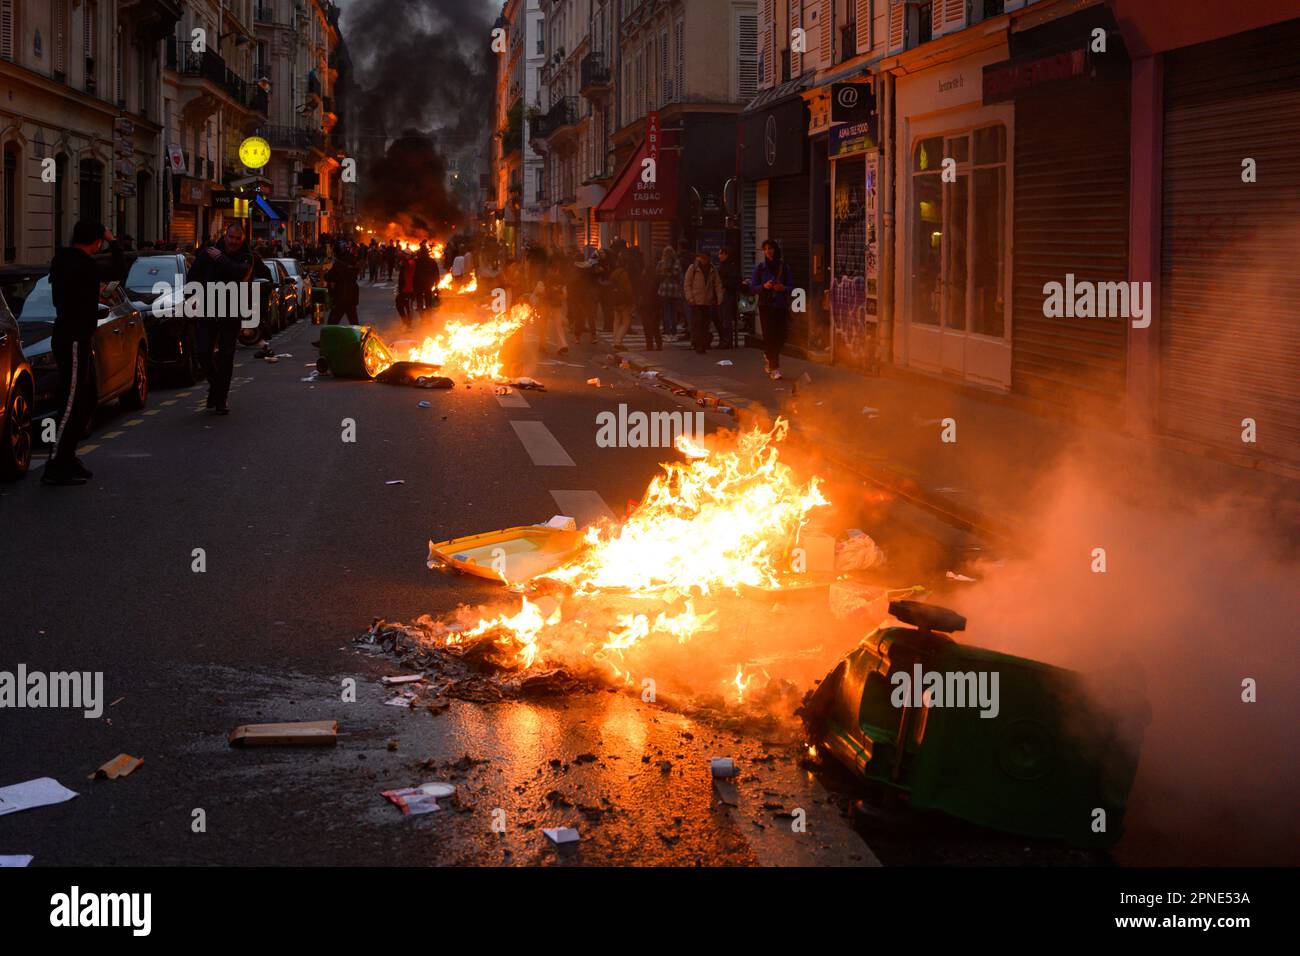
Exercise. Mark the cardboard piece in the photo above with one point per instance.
(120, 766)
(307, 733)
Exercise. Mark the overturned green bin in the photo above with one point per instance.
(352, 351)
(1032, 752)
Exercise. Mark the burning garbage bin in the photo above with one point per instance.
(352, 351)
(1032, 753)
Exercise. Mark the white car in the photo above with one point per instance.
(302, 280)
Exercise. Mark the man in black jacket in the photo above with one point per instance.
(229, 259)
(75, 278)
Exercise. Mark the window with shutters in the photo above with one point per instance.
(679, 71)
(863, 15)
(90, 41)
(119, 92)
(59, 55)
(8, 30)
(800, 49)
(823, 29)
(665, 81)
(746, 56)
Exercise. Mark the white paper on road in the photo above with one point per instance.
(586, 507)
(15, 861)
(561, 834)
(30, 794)
(542, 447)
(511, 400)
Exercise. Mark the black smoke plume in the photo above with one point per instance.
(420, 67)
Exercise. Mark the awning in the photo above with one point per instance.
(630, 199)
(266, 208)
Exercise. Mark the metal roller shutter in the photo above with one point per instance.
(1071, 216)
(1230, 339)
(788, 224)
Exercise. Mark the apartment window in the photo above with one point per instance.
(665, 81)
(91, 190)
(90, 40)
(746, 55)
(679, 72)
(8, 29)
(11, 203)
(59, 55)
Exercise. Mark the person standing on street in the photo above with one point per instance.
(703, 291)
(405, 287)
(729, 273)
(648, 307)
(772, 280)
(75, 277)
(343, 277)
(670, 289)
(228, 259)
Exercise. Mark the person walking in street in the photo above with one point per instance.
(649, 309)
(390, 259)
(406, 288)
(620, 299)
(670, 289)
(729, 273)
(772, 281)
(582, 297)
(75, 278)
(703, 290)
(345, 294)
(228, 259)
(427, 275)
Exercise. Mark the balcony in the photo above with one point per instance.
(594, 74)
(263, 13)
(564, 112)
(210, 68)
(294, 137)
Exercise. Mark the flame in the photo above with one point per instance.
(741, 683)
(470, 286)
(724, 518)
(445, 282)
(473, 348)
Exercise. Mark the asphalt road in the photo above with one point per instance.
(304, 544)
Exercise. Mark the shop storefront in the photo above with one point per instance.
(1071, 202)
(644, 197)
(953, 193)
(854, 284)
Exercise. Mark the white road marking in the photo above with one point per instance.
(512, 399)
(541, 445)
(584, 507)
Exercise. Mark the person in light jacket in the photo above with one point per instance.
(703, 290)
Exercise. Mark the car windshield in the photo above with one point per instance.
(289, 266)
(148, 271)
(39, 304)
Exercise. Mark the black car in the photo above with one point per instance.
(270, 281)
(171, 334)
(17, 397)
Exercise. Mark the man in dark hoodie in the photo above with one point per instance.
(229, 259)
(75, 278)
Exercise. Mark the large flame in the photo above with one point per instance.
(472, 349)
(724, 518)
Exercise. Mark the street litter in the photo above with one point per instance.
(423, 404)
(726, 791)
(408, 373)
(954, 576)
(413, 801)
(310, 378)
(284, 355)
(511, 554)
(309, 733)
(120, 766)
(434, 381)
(407, 698)
(529, 383)
(1056, 753)
(857, 552)
(13, 862)
(649, 374)
(869, 411)
(560, 835)
(40, 792)
(396, 481)
(594, 381)
(727, 362)
(501, 390)
(403, 679)
(563, 522)
(270, 360)
(723, 767)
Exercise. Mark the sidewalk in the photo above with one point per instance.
(888, 429)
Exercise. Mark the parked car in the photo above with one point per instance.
(302, 284)
(270, 289)
(289, 297)
(17, 395)
(120, 347)
(171, 335)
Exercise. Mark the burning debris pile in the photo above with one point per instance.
(701, 568)
(473, 349)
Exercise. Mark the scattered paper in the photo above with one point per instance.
(403, 679)
(954, 576)
(560, 835)
(120, 766)
(594, 381)
(423, 405)
(30, 794)
(413, 801)
(562, 522)
(726, 362)
(21, 859)
(869, 411)
(397, 481)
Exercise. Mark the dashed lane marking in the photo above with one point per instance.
(135, 421)
(512, 400)
(108, 435)
(542, 447)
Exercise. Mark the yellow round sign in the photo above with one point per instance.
(254, 152)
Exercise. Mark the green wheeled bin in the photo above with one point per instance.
(1034, 752)
(352, 351)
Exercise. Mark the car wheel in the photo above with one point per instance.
(250, 336)
(139, 393)
(16, 442)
